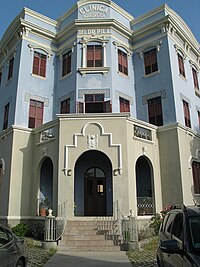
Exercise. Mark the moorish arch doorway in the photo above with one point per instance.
(145, 186)
(46, 182)
(93, 194)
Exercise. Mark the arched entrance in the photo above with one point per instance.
(46, 182)
(93, 185)
(145, 186)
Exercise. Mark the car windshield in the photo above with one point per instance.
(194, 223)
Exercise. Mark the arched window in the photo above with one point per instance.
(196, 176)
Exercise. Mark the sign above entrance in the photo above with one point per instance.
(94, 11)
(94, 31)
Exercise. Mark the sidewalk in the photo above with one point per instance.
(89, 259)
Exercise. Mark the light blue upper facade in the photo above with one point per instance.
(107, 25)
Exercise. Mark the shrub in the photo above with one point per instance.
(155, 223)
(20, 230)
(37, 230)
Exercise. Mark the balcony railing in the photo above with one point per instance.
(142, 132)
(145, 206)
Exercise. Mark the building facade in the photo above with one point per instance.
(98, 109)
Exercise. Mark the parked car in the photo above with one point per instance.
(13, 250)
(179, 237)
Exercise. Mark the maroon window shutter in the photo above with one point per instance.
(186, 114)
(90, 56)
(6, 112)
(39, 114)
(36, 64)
(65, 106)
(36, 110)
(10, 71)
(155, 111)
(196, 176)
(107, 106)
(43, 67)
(195, 78)
(181, 65)
(80, 107)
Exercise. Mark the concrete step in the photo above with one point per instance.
(89, 248)
(83, 237)
(86, 242)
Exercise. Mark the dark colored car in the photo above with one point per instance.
(179, 235)
(13, 250)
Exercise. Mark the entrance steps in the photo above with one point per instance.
(82, 235)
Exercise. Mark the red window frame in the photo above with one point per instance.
(6, 113)
(10, 70)
(186, 114)
(124, 105)
(196, 176)
(39, 64)
(122, 62)
(150, 61)
(155, 111)
(94, 56)
(36, 111)
(195, 78)
(66, 63)
(181, 65)
(65, 106)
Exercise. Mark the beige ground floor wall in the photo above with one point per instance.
(70, 145)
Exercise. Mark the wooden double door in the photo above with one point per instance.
(94, 192)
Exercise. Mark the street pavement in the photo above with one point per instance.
(89, 259)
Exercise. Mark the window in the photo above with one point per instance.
(65, 106)
(66, 64)
(196, 176)
(122, 62)
(181, 65)
(168, 225)
(39, 64)
(94, 56)
(6, 113)
(177, 229)
(186, 114)
(198, 113)
(94, 103)
(124, 105)
(150, 61)
(195, 78)
(155, 111)
(10, 70)
(35, 114)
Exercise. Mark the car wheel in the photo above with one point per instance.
(20, 263)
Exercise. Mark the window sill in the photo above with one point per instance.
(65, 76)
(182, 77)
(197, 92)
(151, 74)
(38, 76)
(102, 70)
(123, 74)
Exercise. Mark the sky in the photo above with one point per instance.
(189, 10)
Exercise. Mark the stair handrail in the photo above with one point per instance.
(55, 226)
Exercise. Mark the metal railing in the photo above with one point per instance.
(145, 206)
(55, 226)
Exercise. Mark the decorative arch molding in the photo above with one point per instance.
(94, 38)
(196, 158)
(142, 50)
(116, 44)
(193, 64)
(179, 49)
(92, 143)
(33, 48)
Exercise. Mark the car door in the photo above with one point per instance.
(177, 233)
